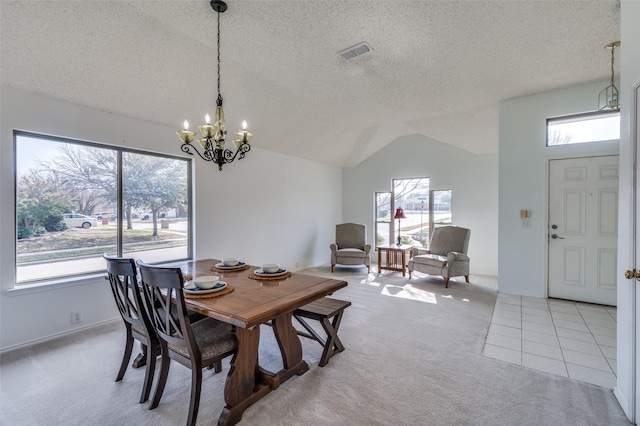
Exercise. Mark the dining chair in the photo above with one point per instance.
(122, 275)
(195, 345)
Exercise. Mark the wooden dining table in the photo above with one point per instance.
(252, 303)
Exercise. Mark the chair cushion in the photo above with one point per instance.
(212, 336)
(430, 260)
(350, 252)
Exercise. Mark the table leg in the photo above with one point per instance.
(290, 347)
(404, 261)
(245, 384)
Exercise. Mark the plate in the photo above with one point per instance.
(190, 287)
(223, 266)
(261, 273)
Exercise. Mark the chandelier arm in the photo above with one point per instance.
(206, 156)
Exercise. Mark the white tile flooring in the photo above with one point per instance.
(570, 339)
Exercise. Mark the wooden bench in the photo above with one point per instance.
(323, 310)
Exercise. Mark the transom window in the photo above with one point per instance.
(583, 128)
(76, 201)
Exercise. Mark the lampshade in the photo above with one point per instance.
(399, 214)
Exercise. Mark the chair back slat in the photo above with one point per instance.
(164, 299)
(124, 286)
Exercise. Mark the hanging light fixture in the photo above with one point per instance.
(213, 135)
(608, 97)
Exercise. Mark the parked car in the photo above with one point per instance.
(99, 216)
(75, 220)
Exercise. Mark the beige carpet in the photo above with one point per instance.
(413, 357)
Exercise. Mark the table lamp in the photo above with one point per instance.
(399, 215)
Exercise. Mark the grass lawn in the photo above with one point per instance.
(77, 242)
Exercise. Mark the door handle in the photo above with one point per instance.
(631, 274)
(555, 237)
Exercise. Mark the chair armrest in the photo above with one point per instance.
(456, 256)
(367, 248)
(333, 248)
(419, 250)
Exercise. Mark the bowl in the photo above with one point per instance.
(270, 268)
(230, 261)
(206, 282)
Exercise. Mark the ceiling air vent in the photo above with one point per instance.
(354, 51)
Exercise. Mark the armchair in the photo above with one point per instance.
(446, 256)
(351, 246)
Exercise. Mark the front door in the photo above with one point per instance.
(583, 229)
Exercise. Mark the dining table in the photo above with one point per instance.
(257, 300)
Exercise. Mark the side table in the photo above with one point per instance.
(394, 257)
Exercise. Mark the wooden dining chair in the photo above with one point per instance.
(195, 345)
(122, 275)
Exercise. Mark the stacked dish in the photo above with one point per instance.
(205, 285)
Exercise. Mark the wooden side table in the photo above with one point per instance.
(394, 256)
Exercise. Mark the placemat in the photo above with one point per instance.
(279, 277)
(227, 290)
(222, 271)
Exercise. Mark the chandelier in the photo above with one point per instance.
(213, 134)
(608, 97)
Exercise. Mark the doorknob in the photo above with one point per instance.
(555, 237)
(631, 273)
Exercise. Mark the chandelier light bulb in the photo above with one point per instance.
(207, 119)
(186, 125)
(244, 124)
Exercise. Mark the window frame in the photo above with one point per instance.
(119, 150)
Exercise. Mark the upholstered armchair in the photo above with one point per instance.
(351, 246)
(446, 256)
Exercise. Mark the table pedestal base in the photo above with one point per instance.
(243, 389)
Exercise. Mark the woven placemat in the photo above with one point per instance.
(239, 268)
(279, 277)
(227, 290)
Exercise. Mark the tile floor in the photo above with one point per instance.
(570, 339)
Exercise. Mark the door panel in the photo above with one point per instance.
(583, 220)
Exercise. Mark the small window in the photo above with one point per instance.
(583, 128)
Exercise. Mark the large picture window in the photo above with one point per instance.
(76, 201)
(423, 208)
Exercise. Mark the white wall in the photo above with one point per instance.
(472, 178)
(523, 180)
(629, 78)
(267, 207)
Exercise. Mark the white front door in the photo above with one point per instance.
(583, 229)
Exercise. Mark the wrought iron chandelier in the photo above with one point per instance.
(608, 97)
(213, 135)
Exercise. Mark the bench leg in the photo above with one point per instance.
(333, 343)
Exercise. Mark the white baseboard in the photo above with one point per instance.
(58, 335)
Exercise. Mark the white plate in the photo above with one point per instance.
(190, 287)
(223, 266)
(261, 273)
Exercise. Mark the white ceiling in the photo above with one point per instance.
(439, 68)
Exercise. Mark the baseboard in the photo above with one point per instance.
(58, 335)
(624, 404)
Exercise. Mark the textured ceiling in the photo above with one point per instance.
(438, 68)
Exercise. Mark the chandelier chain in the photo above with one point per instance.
(219, 96)
(612, 50)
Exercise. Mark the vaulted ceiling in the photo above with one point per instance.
(438, 68)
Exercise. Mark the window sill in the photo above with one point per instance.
(50, 285)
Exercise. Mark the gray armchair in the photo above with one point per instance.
(446, 256)
(351, 246)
